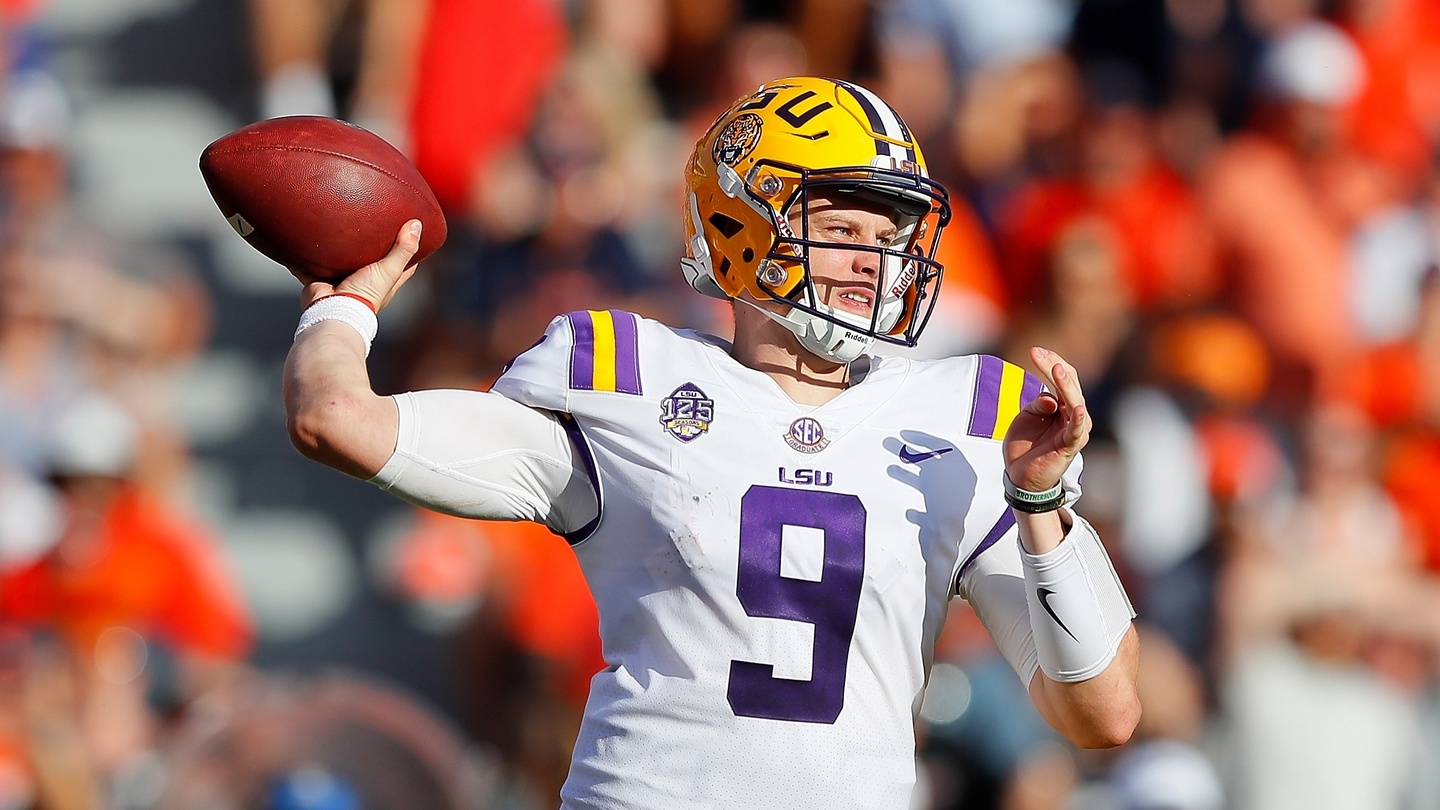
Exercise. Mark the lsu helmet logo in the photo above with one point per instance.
(737, 139)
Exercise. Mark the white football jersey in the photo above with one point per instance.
(771, 577)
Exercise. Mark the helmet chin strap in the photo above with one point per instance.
(817, 335)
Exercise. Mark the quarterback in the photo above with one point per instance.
(772, 528)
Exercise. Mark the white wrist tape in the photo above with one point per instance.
(1078, 609)
(345, 310)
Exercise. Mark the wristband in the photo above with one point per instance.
(348, 309)
(1034, 503)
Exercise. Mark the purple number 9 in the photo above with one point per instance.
(830, 603)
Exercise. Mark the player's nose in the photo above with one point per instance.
(865, 262)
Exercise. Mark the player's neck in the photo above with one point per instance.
(766, 346)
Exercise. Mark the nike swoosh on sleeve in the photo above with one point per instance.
(1045, 594)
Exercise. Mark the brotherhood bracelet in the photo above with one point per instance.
(1034, 503)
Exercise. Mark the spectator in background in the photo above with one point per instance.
(1326, 629)
(1391, 126)
(523, 622)
(1118, 175)
(412, 74)
(1085, 309)
(1196, 451)
(127, 589)
(1283, 202)
(557, 209)
(299, 43)
(1398, 386)
(531, 641)
(1166, 767)
(81, 308)
(124, 559)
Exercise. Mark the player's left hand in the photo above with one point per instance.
(1049, 432)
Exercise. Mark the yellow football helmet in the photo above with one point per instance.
(750, 181)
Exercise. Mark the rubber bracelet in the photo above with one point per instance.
(1034, 503)
(362, 299)
(350, 310)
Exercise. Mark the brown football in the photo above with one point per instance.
(319, 195)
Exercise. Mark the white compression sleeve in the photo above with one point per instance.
(1078, 609)
(480, 455)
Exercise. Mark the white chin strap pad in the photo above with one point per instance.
(829, 340)
(817, 335)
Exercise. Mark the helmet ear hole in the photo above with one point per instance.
(727, 226)
(748, 255)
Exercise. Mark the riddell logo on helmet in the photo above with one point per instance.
(903, 283)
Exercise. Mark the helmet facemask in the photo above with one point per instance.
(751, 183)
(908, 277)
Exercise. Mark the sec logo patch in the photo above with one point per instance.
(806, 435)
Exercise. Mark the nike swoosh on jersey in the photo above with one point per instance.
(1045, 594)
(911, 457)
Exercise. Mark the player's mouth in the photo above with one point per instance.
(860, 300)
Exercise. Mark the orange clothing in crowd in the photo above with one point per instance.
(150, 571)
(968, 254)
(1411, 468)
(1390, 385)
(1163, 257)
(524, 570)
(17, 10)
(484, 65)
(1286, 251)
(1399, 107)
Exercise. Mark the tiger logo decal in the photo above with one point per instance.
(737, 139)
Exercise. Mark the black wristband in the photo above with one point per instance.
(1033, 503)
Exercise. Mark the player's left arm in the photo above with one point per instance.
(1087, 649)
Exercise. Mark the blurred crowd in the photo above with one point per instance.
(1225, 213)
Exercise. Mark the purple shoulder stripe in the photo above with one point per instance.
(627, 352)
(983, 409)
(582, 351)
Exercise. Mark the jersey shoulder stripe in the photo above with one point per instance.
(605, 355)
(1001, 390)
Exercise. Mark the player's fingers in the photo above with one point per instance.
(1066, 382)
(1077, 426)
(1044, 404)
(407, 243)
(377, 282)
(405, 276)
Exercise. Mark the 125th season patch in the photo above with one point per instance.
(687, 412)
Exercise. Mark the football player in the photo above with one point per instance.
(772, 528)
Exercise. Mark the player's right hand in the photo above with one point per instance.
(378, 282)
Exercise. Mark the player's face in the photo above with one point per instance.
(847, 280)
